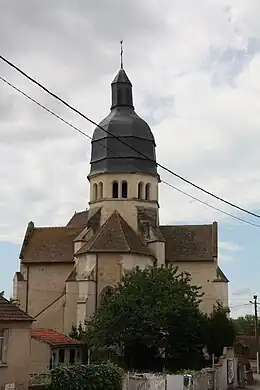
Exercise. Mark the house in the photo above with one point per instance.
(15, 335)
(65, 270)
(50, 348)
(251, 347)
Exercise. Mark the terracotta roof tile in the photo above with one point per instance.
(115, 235)
(10, 312)
(49, 244)
(190, 242)
(79, 219)
(52, 337)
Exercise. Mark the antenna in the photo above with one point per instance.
(121, 54)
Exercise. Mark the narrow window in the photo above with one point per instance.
(124, 189)
(115, 189)
(1, 344)
(140, 190)
(100, 190)
(147, 191)
(62, 355)
(72, 356)
(95, 192)
(106, 293)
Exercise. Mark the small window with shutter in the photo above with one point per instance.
(3, 345)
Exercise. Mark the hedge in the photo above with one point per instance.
(103, 376)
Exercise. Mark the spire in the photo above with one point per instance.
(121, 55)
(121, 86)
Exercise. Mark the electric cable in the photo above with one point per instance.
(86, 135)
(55, 96)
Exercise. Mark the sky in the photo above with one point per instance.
(194, 67)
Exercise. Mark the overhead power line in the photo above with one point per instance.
(120, 140)
(86, 135)
(55, 96)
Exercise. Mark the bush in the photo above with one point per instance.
(104, 376)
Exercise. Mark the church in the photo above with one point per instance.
(65, 270)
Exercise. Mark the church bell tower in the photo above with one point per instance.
(123, 174)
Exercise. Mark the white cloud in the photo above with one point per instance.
(229, 246)
(206, 126)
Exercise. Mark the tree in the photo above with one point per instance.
(152, 312)
(245, 325)
(221, 331)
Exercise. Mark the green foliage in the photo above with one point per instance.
(152, 312)
(221, 331)
(87, 377)
(245, 325)
(43, 378)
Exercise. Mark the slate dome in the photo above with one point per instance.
(109, 154)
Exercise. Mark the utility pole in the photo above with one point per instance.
(256, 332)
(255, 303)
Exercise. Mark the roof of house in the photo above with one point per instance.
(49, 244)
(10, 312)
(190, 242)
(250, 342)
(115, 235)
(53, 338)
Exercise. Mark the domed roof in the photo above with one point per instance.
(122, 127)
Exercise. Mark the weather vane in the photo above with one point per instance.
(121, 54)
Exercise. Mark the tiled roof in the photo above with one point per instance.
(52, 337)
(115, 235)
(79, 219)
(10, 312)
(49, 244)
(190, 242)
(250, 342)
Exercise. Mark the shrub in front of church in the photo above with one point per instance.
(104, 376)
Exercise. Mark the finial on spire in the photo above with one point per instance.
(121, 54)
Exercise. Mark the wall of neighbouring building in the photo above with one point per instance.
(18, 354)
(40, 357)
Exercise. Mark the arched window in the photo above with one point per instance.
(124, 189)
(100, 190)
(106, 292)
(140, 190)
(95, 191)
(115, 189)
(147, 191)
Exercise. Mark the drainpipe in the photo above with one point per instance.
(27, 290)
(97, 267)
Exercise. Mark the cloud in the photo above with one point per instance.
(229, 246)
(242, 291)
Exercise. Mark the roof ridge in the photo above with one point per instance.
(55, 227)
(195, 225)
(99, 232)
(122, 230)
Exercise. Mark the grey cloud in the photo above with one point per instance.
(242, 291)
(159, 108)
(226, 64)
